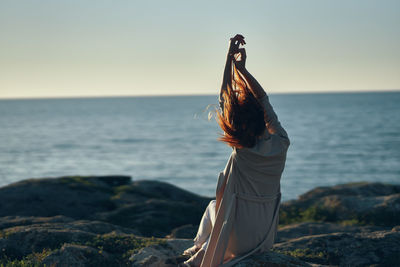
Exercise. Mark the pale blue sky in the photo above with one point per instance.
(103, 48)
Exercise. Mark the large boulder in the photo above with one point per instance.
(356, 203)
(365, 248)
(152, 208)
(20, 236)
(296, 230)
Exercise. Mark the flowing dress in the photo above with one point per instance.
(247, 219)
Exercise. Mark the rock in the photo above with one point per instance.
(152, 208)
(49, 233)
(104, 221)
(297, 230)
(155, 208)
(160, 255)
(155, 217)
(352, 189)
(271, 259)
(184, 231)
(357, 203)
(77, 256)
(151, 256)
(168, 256)
(378, 248)
(27, 239)
(15, 223)
(21, 236)
(76, 197)
(11, 221)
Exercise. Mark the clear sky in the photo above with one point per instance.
(113, 48)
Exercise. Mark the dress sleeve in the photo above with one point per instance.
(272, 123)
(223, 175)
(220, 183)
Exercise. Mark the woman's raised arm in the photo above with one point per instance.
(225, 81)
(271, 119)
(227, 78)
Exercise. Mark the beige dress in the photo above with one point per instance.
(247, 219)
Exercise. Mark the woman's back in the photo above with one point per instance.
(250, 201)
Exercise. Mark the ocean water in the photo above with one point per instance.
(335, 138)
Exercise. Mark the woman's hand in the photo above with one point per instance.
(234, 44)
(240, 59)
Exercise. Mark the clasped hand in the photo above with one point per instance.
(237, 54)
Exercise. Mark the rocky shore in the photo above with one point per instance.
(113, 221)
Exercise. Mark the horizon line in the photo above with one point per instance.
(196, 94)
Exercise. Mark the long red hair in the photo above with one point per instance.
(242, 119)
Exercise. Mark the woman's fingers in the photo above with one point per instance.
(238, 38)
(235, 43)
(241, 39)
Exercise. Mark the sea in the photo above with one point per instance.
(335, 138)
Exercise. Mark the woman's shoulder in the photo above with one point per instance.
(266, 145)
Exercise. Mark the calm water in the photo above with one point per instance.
(336, 138)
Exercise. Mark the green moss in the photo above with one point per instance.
(20, 263)
(292, 214)
(84, 183)
(119, 191)
(289, 215)
(83, 180)
(122, 189)
(32, 260)
(121, 246)
(306, 254)
(38, 257)
(319, 214)
(351, 222)
(4, 233)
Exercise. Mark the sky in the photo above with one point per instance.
(80, 48)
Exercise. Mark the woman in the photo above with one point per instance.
(244, 217)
